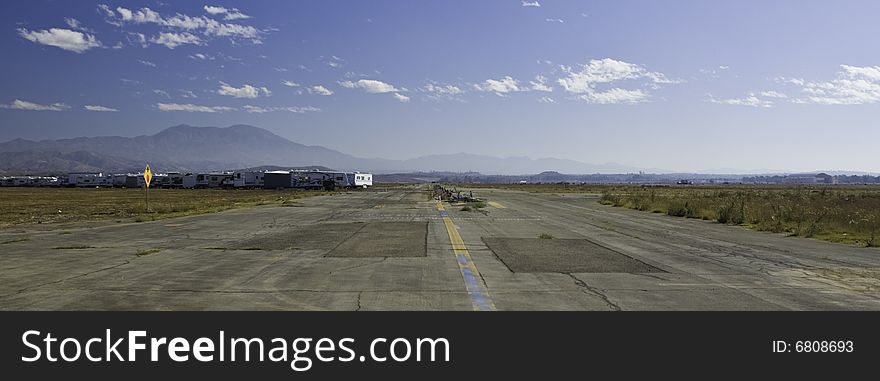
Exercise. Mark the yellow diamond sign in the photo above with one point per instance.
(148, 175)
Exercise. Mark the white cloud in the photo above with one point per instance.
(255, 109)
(751, 100)
(773, 94)
(546, 100)
(202, 56)
(437, 91)
(187, 94)
(320, 90)
(147, 63)
(401, 97)
(173, 40)
(246, 91)
(162, 93)
(290, 83)
(103, 8)
(215, 10)
(99, 108)
(294, 109)
(723, 67)
(230, 14)
(61, 38)
(76, 25)
(202, 24)
(531, 3)
(499, 86)
(540, 84)
(790, 81)
(300, 110)
(442, 90)
(191, 107)
(614, 96)
(588, 77)
(138, 38)
(371, 86)
(19, 104)
(854, 85)
(144, 15)
(555, 20)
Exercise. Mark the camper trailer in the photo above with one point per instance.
(85, 180)
(363, 180)
(207, 180)
(248, 179)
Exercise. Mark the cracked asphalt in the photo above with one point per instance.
(312, 257)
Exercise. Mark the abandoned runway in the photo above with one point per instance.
(401, 250)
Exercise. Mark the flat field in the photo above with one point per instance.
(58, 205)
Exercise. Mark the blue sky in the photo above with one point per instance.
(680, 85)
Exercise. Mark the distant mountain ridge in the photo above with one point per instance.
(187, 148)
(182, 148)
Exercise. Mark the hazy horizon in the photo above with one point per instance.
(686, 86)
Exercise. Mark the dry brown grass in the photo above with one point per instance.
(57, 205)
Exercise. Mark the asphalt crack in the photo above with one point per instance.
(69, 278)
(595, 291)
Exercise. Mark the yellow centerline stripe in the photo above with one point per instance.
(497, 205)
(473, 281)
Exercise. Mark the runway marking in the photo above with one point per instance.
(497, 205)
(473, 282)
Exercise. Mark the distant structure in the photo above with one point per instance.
(808, 179)
(246, 179)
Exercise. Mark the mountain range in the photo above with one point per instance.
(187, 148)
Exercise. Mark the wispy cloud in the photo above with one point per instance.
(228, 14)
(173, 40)
(97, 108)
(188, 107)
(294, 109)
(560, 21)
(183, 25)
(19, 104)
(854, 85)
(66, 39)
(500, 87)
(147, 63)
(202, 56)
(320, 90)
(531, 3)
(76, 25)
(540, 84)
(773, 94)
(371, 86)
(245, 91)
(438, 91)
(290, 83)
(751, 100)
(587, 79)
(400, 97)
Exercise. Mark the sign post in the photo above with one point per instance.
(148, 176)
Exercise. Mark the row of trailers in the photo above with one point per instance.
(328, 180)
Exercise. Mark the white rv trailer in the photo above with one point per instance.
(363, 179)
(83, 180)
(248, 179)
(207, 180)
